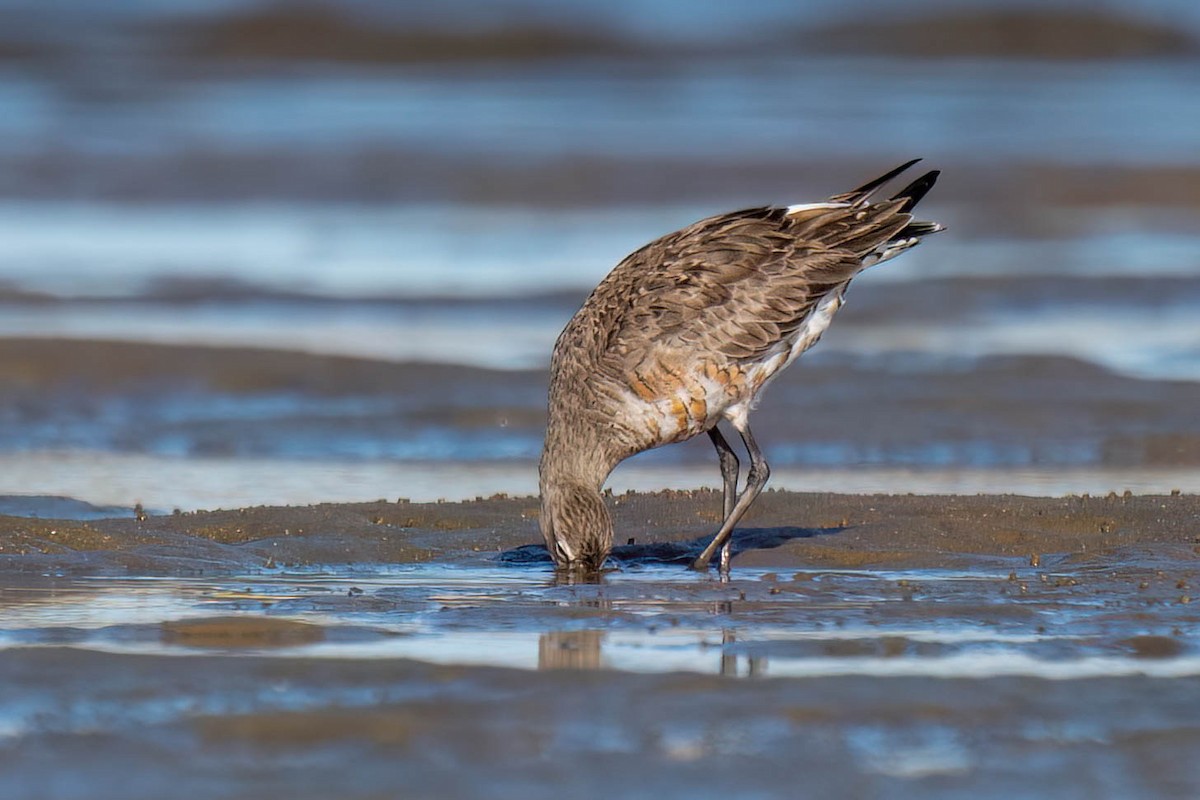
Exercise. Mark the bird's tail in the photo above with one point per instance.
(874, 231)
(910, 235)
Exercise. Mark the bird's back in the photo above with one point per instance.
(690, 327)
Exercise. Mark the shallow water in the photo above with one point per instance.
(920, 681)
(933, 623)
(39, 481)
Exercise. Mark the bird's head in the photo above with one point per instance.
(576, 525)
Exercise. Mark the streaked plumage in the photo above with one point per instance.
(686, 332)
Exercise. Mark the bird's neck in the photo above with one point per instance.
(573, 454)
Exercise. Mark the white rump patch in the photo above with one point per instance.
(802, 207)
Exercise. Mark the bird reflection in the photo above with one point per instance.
(570, 650)
(756, 666)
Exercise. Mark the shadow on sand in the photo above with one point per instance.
(682, 553)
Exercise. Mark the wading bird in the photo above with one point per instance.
(686, 332)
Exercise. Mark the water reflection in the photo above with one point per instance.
(650, 619)
(728, 659)
(756, 665)
(570, 650)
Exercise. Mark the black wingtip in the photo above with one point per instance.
(867, 189)
(912, 194)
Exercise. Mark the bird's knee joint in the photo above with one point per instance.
(759, 473)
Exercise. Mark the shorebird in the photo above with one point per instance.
(687, 332)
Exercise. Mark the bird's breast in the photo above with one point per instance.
(671, 399)
(667, 403)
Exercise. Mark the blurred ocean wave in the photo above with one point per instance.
(84, 250)
(753, 108)
(374, 101)
(1153, 336)
(492, 286)
(437, 187)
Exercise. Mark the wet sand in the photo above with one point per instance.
(442, 732)
(784, 530)
(867, 646)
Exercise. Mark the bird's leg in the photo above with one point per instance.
(729, 472)
(729, 468)
(756, 479)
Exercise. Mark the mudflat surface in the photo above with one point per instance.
(866, 646)
(783, 529)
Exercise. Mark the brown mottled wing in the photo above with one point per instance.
(738, 284)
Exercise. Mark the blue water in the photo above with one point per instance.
(641, 619)
(351, 209)
(74, 230)
(774, 107)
